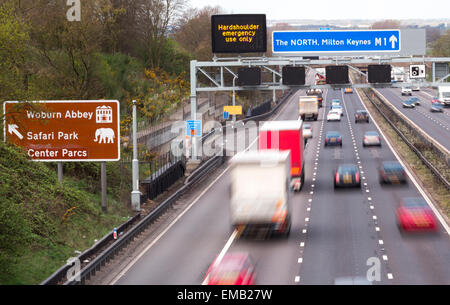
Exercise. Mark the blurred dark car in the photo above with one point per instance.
(361, 115)
(347, 175)
(232, 269)
(392, 172)
(414, 215)
(333, 138)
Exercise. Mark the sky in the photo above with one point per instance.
(334, 9)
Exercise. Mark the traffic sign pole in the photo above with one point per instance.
(135, 194)
(60, 172)
(103, 183)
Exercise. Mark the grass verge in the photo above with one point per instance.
(43, 222)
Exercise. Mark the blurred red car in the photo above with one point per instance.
(435, 100)
(414, 214)
(232, 269)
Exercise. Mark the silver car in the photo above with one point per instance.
(307, 131)
(371, 138)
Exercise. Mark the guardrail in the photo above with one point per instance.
(419, 154)
(58, 276)
(110, 250)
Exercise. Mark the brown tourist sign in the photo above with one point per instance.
(64, 130)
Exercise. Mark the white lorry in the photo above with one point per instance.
(308, 107)
(259, 191)
(444, 95)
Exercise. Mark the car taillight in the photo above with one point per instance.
(357, 177)
(378, 138)
(326, 140)
(339, 140)
(365, 138)
(337, 177)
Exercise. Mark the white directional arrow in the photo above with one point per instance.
(393, 40)
(13, 128)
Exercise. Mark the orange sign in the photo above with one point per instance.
(65, 130)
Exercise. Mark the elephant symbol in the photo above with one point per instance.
(105, 134)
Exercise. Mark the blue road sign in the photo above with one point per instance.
(226, 115)
(194, 128)
(336, 41)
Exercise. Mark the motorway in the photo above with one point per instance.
(435, 124)
(333, 233)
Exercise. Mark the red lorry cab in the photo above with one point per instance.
(286, 135)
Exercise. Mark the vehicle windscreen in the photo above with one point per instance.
(332, 135)
(347, 169)
(417, 203)
(392, 167)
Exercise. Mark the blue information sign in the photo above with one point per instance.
(226, 115)
(194, 128)
(336, 41)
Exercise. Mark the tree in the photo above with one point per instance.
(65, 53)
(193, 32)
(14, 39)
(432, 34)
(277, 27)
(386, 24)
(441, 47)
(154, 17)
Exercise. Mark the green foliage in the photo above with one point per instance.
(41, 221)
(13, 44)
(175, 60)
(442, 46)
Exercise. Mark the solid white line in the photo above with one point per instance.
(230, 240)
(128, 267)
(422, 192)
(223, 252)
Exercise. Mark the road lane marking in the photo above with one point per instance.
(411, 177)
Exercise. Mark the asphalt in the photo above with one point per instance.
(333, 235)
(435, 124)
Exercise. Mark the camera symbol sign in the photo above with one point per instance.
(416, 71)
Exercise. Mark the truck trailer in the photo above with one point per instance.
(444, 95)
(308, 107)
(260, 192)
(286, 136)
(318, 93)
